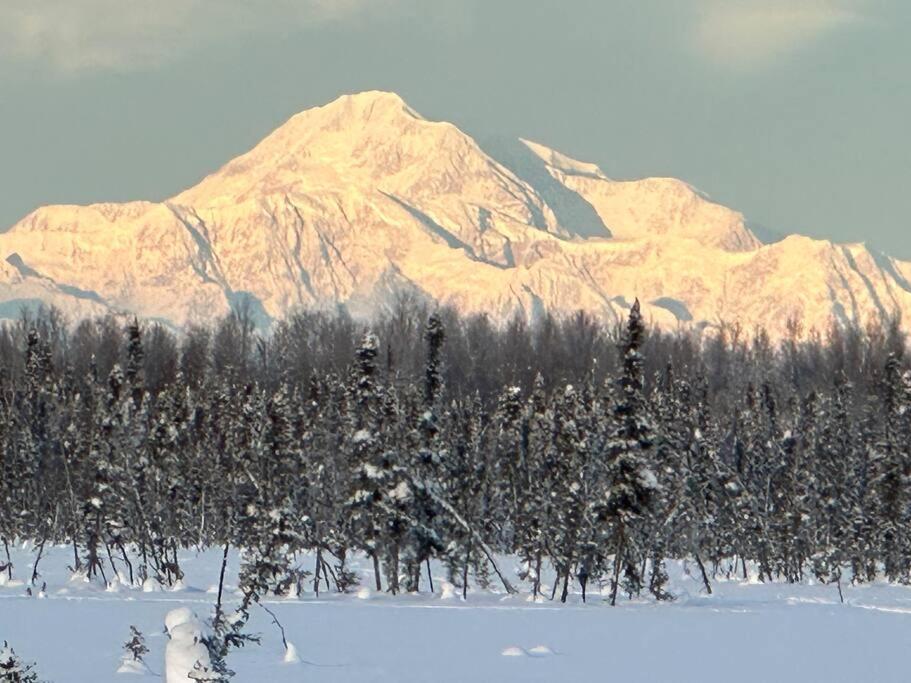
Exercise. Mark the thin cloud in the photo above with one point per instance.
(749, 34)
(82, 35)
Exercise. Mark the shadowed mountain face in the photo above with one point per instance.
(571, 210)
(356, 201)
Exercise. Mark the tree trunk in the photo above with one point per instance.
(705, 578)
(9, 560)
(618, 558)
(126, 560)
(316, 571)
(376, 573)
(221, 581)
(465, 571)
(177, 571)
(35, 573)
(327, 571)
(107, 548)
(394, 583)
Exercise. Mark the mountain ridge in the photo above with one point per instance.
(356, 201)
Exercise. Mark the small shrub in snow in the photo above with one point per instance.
(135, 650)
(13, 669)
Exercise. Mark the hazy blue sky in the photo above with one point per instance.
(796, 112)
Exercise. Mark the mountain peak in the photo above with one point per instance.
(361, 108)
(361, 200)
(373, 132)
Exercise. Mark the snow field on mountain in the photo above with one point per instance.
(362, 201)
(745, 631)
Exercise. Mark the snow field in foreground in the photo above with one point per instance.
(745, 631)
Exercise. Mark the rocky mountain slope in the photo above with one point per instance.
(361, 199)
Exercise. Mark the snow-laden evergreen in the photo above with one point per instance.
(429, 438)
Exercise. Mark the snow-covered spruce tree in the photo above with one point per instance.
(287, 480)
(136, 645)
(9, 490)
(700, 521)
(531, 533)
(267, 527)
(184, 473)
(80, 436)
(19, 469)
(164, 491)
(566, 468)
(892, 474)
(734, 530)
(792, 482)
(268, 564)
(833, 460)
(751, 472)
(122, 435)
(367, 520)
(258, 519)
(468, 489)
(266, 523)
(508, 461)
(330, 481)
(13, 669)
(676, 432)
(134, 375)
(134, 652)
(34, 449)
(631, 483)
(101, 505)
(226, 633)
(865, 520)
(762, 439)
(393, 484)
(423, 541)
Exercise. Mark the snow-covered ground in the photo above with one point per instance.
(744, 632)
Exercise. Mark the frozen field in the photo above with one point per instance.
(743, 632)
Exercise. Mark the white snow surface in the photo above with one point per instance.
(745, 631)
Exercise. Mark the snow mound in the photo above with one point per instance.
(131, 666)
(185, 648)
(178, 617)
(514, 651)
(7, 582)
(291, 656)
(540, 651)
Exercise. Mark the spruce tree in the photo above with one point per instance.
(631, 483)
(13, 669)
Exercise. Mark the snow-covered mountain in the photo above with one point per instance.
(361, 199)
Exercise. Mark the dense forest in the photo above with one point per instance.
(598, 452)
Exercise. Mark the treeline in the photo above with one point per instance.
(598, 452)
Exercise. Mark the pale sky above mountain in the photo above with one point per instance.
(794, 111)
